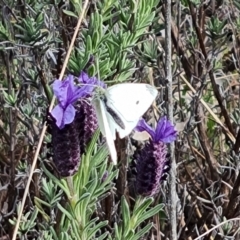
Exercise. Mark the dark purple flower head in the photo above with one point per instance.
(152, 161)
(86, 120)
(65, 148)
(151, 165)
(70, 142)
(164, 132)
(67, 93)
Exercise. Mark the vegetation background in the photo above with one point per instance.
(126, 40)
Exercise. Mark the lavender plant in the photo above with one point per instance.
(72, 208)
(119, 41)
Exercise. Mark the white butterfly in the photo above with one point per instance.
(119, 108)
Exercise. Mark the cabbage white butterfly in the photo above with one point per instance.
(119, 108)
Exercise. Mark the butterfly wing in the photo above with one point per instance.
(106, 127)
(129, 101)
(122, 104)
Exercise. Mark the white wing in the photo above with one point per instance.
(106, 127)
(126, 103)
(129, 101)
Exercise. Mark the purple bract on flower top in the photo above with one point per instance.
(164, 132)
(68, 92)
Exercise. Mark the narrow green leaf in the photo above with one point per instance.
(144, 204)
(103, 236)
(90, 224)
(97, 227)
(85, 195)
(89, 47)
(130, 235)
(31, 222)
(142, 232)
(57, 181)
(126, 215)
(95, 40)
(100, 156)
(148, 214)
(70, 13)
(64, 211)
(118, 231)
(91, 145)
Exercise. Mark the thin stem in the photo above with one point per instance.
(168, 70)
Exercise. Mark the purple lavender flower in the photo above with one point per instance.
(67, 93)
(90, 81)
(152, 162)
(75, 121)
(164, 132)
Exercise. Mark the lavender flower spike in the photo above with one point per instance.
(152, 161)
(74, 121)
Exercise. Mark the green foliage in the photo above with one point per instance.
(196, 2)
(4, 34)
(10, 99)
(193, 40)
(119, 41)
(110, 43)
(132, 221)
(28, 221)
(215, 27)
(31, 30)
